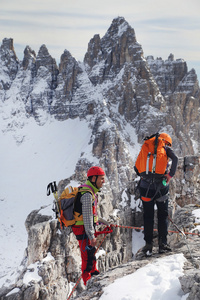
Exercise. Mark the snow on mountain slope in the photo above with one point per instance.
(31, 157)
(157, 280)
(47, 153)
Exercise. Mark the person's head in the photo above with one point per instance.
(96, 176)
(166, 138)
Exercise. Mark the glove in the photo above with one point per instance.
(168, 178)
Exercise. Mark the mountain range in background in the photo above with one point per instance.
(146, 92)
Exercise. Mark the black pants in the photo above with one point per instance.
(162, 215)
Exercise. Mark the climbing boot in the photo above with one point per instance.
(163, 248)
(96, 272)
(147, 249)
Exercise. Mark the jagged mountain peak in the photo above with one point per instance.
(120, 34)
(43, 51)
(8, 63)
(173, 75)
(108, 55)
(29, 52)
(7, 45)
(46, 68)
(118, 27)
(171, 57)
(189, 84)
(65, 60)
(45, 59)
(114, 72)
(29, 57)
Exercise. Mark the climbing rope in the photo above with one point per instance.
(178, 231)
(105, 232)
(77, 282)
(141, 228)
(184, 237)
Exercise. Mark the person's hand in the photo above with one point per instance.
(93, 242)
(168, 177)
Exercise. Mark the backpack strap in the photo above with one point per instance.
(89, 189)
(150, 137)
(86, 189)
(147, 163)
(156, 135)
(155, 153)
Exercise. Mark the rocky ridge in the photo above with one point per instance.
(55, 256)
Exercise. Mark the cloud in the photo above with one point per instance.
(161, 27)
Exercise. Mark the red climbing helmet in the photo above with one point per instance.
(166, 137)
(95, 171)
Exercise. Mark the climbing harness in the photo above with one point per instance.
(105, 232)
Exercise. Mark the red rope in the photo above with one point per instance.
(105, 231)
(140, 228)
(79, 279)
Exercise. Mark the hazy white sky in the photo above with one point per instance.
(161, 27)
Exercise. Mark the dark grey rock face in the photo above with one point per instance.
(9, 64)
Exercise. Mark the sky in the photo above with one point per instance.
(161, 27)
